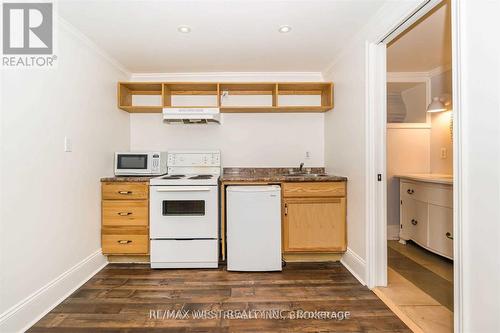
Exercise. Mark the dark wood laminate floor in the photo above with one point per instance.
(120, 298)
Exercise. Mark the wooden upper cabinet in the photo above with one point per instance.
(151, 97)
(314, 225)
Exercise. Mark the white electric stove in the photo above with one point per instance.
(184, 218)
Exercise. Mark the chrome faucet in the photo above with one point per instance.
(301, 166)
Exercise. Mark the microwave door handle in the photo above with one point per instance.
(182, 189)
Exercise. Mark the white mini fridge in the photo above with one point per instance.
(253, 215)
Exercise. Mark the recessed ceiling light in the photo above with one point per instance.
(184, 29)
(284, 29)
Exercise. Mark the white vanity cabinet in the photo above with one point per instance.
(426, 214)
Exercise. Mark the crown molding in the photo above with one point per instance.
(407, 76)
(91, 45)
(229, 76)
(439, 70)
(417, 76)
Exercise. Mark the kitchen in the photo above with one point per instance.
(89, 245)
(183, 166)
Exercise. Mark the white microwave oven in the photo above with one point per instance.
(140, 163)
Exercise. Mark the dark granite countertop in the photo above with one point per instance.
(127, 179)
(278, 175)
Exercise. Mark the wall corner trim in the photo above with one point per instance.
(27, 312)
(354, 264)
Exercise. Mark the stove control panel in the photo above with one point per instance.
(194, 159)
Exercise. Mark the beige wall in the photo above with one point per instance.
(441, 134)
(407, 152)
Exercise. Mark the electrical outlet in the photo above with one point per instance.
(444, 153)
(308, 154)
(68, 147)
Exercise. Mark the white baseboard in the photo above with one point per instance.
(26, 313)
(354, 264)
(393, 232)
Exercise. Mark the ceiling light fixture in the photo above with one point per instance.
(185, 29)
(284, 29)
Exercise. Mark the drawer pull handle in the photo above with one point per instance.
(124, 241)
(124, 213)
(410, 191)
(125, 192)
(414, 222)
(286, 209)
(448, 235)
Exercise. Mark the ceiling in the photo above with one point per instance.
(238, 35)
(398, 87)
(425, 45)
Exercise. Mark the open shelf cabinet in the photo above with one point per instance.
(230, 97)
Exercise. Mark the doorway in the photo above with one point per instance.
(413, 147)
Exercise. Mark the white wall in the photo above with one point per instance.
(478, 168)
(245, 140)
(345, 140)
(50, 216)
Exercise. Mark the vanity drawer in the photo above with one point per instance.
(125, 213)
(436, 194)
(414, 191)
(313, 189)
(125, 191)
(125, 241)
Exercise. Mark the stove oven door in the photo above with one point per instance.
(183, 212)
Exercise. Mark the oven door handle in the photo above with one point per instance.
(182, 189)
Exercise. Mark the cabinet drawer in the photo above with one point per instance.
(313, 189)
(125, 241)
(125, 191)
(413, 190)
(441, 230)
(125, 213)
(436, 194)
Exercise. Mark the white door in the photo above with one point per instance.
(183, 212)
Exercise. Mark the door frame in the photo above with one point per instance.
(376, 191)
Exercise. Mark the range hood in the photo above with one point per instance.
(189, 115)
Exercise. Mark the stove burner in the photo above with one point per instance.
(201, 177)
(173, 177)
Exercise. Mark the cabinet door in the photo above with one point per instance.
(407, 213)
(314, 225)
(414, 217)
(441, 230)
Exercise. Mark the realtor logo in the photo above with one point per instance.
(28, 30)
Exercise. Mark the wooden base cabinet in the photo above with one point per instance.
(125, 218)
(314, 220)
